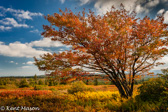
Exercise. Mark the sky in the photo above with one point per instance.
(21, 24)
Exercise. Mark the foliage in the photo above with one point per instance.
(31, 82)
(100, 95)
(95, 81)
(23, 83)
(40, 82)
(117, 44)
(4, 81)
(152, 90)
(164, 74)
(40, 87)
(86, 101)
(22, 93)
(78, 86)
(35, 78)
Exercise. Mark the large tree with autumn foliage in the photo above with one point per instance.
(117, 44)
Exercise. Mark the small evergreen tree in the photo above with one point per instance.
(35, 78)
(95, 81)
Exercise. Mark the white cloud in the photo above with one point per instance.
(35, 31)
(18, 49)
(139, 9)
(163, 60)
(25, 67)
(46, 42)
(4, 28)
(11, 62)
(160, 11)
(103, 5)
(165, 15)
(62, 1)
(21, 14)
(152, 3)
(30, 62)
(83, 2)
(16, 63)
(145, 6)
(12, 22)
(16, 15)
(139, 6)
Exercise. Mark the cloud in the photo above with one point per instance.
(11, 62)
(18, 49)
(83, 2)
(104, 5)
(62, 1)
(5, 28)
(160, 11)
(15, 18)
(21, 14)
(30, 62)
(166, 17)
(165, 14)
(25, 67)
(163, 60)
(145, 6)
(35, 31)
(140, 6)
(152, 3)
(139, 9)
(46, 42)
(12, 22)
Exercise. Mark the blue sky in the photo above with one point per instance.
(21, 26)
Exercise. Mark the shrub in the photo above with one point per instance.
(78, 86)
(23, 93)
(152, 90)
(40, 87)
(40, 82)
(2, 87)
(95, 81)
(31, 82)
(23, 83)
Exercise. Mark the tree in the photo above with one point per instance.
(35, 79)
(164, 74)
(117, 43)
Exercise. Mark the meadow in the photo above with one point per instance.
(38, 95)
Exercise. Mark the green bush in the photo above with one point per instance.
(40, 87)
(31, 82)
(23, 83)
(2, 87)
(78, 86)
(152, 90)
(40, 82)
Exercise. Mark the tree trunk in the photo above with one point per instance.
(124, 90)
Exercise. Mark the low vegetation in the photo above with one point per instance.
(151, 95)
